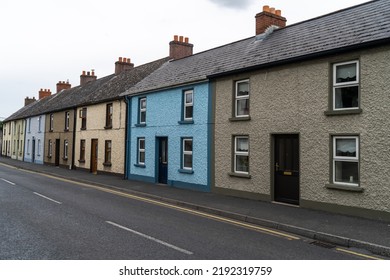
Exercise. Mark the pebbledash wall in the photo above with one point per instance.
(95, 129)
(164, 112)
(34, 150)
(293, 99)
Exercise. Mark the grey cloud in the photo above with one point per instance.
(235, 4)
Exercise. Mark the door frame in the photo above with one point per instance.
(273, 137)
(57, 152)
(158, 152)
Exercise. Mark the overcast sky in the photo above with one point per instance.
(46, 41)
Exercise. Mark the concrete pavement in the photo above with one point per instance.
(347, 231)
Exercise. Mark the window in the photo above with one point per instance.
(28, 146)
(141, 151)
(51, 122)
(39, 123)
(346, 85)
(188, 109)
(142, 110)
(67, 120)
(83, 116)
(242, 99)
(187, 153)
(109, 111)
(66, 149)
(107, 152)
(39, 147)
(82, 151)
(29, 125)
(241, 154)
(346, 160)
(50, 149)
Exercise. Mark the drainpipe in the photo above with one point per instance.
(127, 138)
(74, 137)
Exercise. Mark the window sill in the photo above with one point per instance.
(83, 128)
(186, 171)
(65, 158)
(66, 130)
(140, 125)
(240, 119)
(343, 112)
(344, 187)
(140, 165)
(240, 175)
(108, 127)
(51, 130)
(81, 161)
(186, 122)
(107, 164)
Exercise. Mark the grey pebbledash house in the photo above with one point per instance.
(302, 113)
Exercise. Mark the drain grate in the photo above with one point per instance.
(323, 244)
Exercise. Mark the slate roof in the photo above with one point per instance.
(102, 90)
(355, 27)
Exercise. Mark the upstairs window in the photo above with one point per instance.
(346, 85)
(83, 116)
(142, 110)
(188, 110)
(241, 103)
(51, 122)
(109, 111)
(67, 120)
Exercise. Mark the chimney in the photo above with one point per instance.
(61, 85)
(123, 64)
(44, 93)
(268, 17)
(87, 77)
(28, 101)
(180, 47)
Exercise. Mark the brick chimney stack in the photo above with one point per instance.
(87, 77)
(180, 47)
(44, 93)
(123, 64)
(28, 101)
(268, 17)
(61, 85)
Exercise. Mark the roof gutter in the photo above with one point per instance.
(367, 45)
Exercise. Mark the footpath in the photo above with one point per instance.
(336, 229)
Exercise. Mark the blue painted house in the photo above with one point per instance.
(170, 124)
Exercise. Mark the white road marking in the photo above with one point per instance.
(48, 198)
(13, 184)
(152, 238)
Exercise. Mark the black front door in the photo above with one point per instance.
(33, 151)
(162, 143)
(286, 164)
(57, 154)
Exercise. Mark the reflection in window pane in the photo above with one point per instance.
(347, 97)
(346, 172)
(242, 89)
(242, 163)
(242, 145)
(346, 73)
(187, 161)
(243, 107)
(346, 147)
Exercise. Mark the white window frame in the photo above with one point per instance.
(139, 162)
(189, 153)
(240, 153)
(50, 152)
(189, 104)
(66, 145)
(28, 146)
(142, 110)
(39, 147)
(345, 84)
(243, 97)
(344, 158)
(51, 122)
(67, 120)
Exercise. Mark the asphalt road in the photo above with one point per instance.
(42, 217)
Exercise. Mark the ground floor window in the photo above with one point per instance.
(141, 151)
(66, 145)
(187, 153)
(50, 149)
(28, 146)
(107, 152)
(346, 160)
(82, 150)
(241, 154)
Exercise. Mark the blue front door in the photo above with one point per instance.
(162, 143)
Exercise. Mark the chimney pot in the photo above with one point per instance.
(120, 59)
(186, 40)
(128, 60)
(181, 39)
(278, 13)
(175, 38)
(266, 8)
(88, 73)
(272, 10)
(83, 73)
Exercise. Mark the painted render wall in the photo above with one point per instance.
(60, 133)
(6, 149)
(164, 111)
(293, 99)
(35, 130)
(17, 139)
(96, 121)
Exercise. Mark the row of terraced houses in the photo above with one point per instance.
(296, 114)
